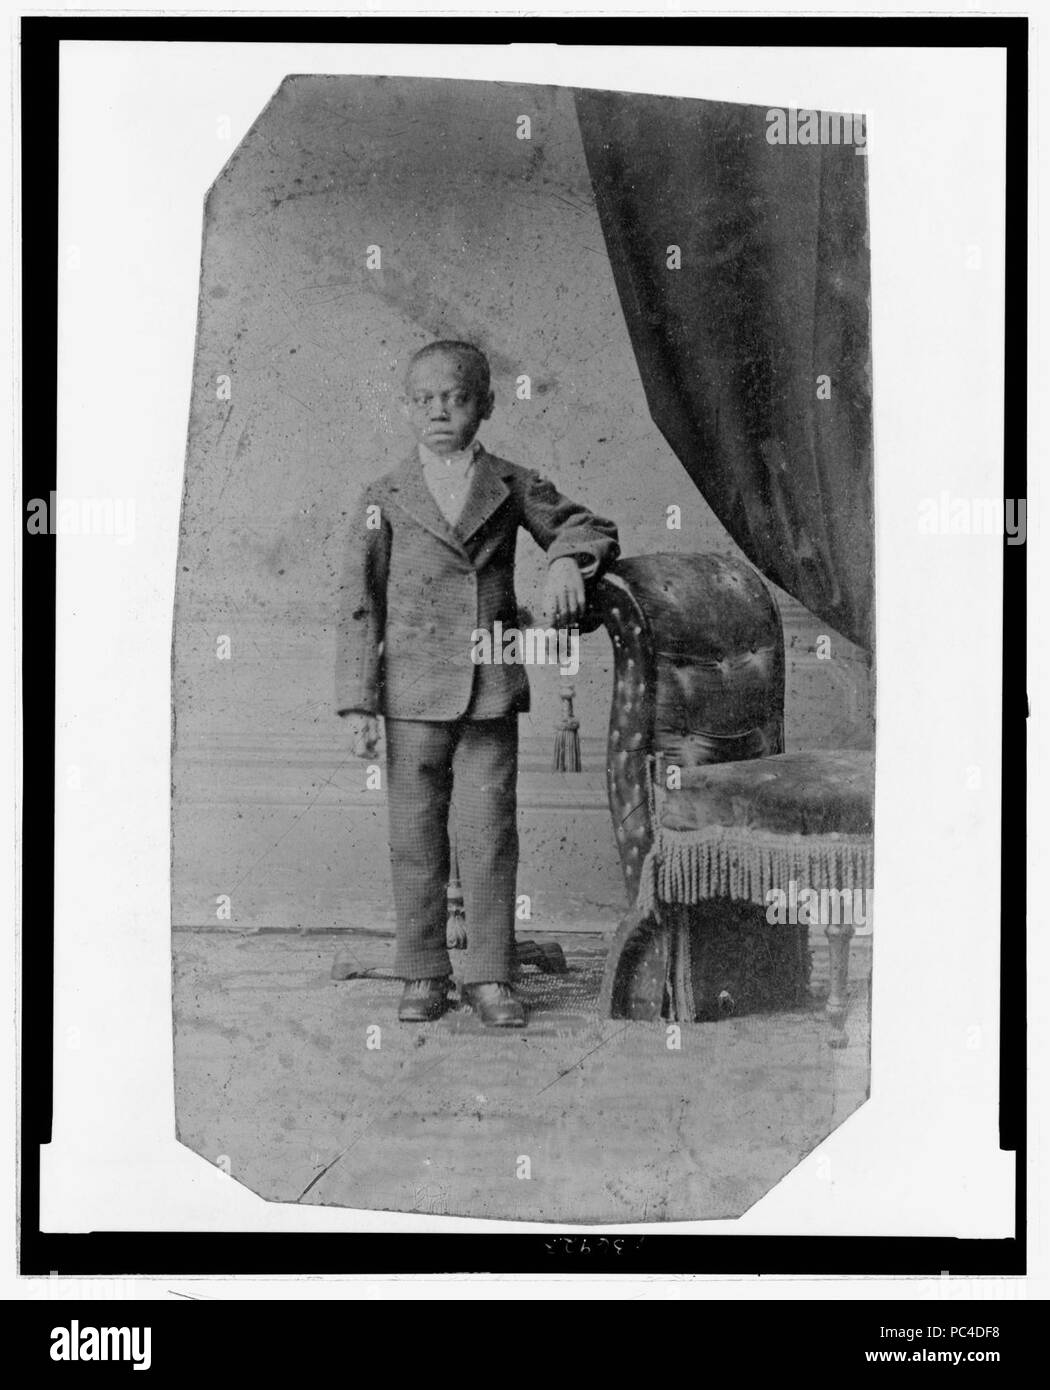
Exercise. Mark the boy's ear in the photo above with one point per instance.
(488, 404)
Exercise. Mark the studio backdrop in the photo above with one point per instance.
(676, 313)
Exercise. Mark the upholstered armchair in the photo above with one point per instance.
(698, 678)
(708, 812)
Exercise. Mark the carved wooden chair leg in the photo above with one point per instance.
(839, 936)
(804, 965)
(456, 921)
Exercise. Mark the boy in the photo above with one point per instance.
(429, 564)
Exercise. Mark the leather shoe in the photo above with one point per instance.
(496, 1004)
(423, 1000)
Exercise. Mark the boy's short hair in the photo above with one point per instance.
(450, 347)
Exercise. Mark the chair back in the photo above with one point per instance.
(698, 650)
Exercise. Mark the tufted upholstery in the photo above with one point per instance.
(699, 676)
(818, 793)
(699, 684)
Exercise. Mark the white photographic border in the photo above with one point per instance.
(139, 149)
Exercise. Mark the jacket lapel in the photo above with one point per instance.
(487, 491)
(411, 493)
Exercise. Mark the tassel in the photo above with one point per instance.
(567, 738)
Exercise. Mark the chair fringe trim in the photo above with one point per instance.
(686, 866)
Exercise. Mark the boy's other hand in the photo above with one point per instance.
(564, 596)
(364, 734)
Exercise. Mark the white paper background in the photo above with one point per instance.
(139, 149)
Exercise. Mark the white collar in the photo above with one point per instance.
(462, 459)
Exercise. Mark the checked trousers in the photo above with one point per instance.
(469, 768)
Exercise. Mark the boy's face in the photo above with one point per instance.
(444, 402)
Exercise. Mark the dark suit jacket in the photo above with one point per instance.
(414, 589)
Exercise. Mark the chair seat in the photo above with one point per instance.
(745, 829)
(824, 792)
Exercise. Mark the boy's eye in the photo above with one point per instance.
(456, 398)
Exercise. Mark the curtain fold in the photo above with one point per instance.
(767, 314)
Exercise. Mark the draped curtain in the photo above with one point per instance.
(755, 353)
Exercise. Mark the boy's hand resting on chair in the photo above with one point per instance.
(564, 597)
(364, 734)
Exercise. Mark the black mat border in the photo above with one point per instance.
(160, 1252)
